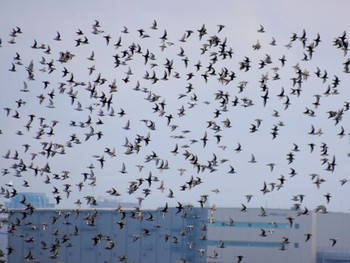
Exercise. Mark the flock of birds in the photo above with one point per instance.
(162, 117)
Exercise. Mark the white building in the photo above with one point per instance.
(277, 235)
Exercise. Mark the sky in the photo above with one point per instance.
(207, 102)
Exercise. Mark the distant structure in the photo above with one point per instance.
(103, 203)
(107, 235)
(277, 235)
(173, 236)
(3, 235)
(38, 200)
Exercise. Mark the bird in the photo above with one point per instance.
(58, 36)
(252, 159)
(290, 220)
(232, 170)
(328, 197)
(239, 258)
(204, 139)
(333, 240)
(263, 233)
(249, 197)
(222, 244)
(154, 25)
(271, 165)
(182, 144)
(244, 208)
(171, 194)
(307, 236)
(261, 29)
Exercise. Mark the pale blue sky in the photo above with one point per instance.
(40, 20)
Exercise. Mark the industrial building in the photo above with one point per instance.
(107, 235)
(179, 234)
(278, 235)
(38, 200)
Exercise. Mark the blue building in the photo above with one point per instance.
(38, 200)
(105, 235)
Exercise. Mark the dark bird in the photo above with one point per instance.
(261, 29)
(263, 233)
(307, 236)
(58, 36)
(204, 139)
(333, 240)
(239, 258)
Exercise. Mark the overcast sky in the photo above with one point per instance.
(40, 21)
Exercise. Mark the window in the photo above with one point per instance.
(238, 224)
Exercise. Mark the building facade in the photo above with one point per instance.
(105, 235)
(178, 235)
(38, 200)
(278, 235)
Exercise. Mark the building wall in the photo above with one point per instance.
(243, 237)
(38, 200)
(332, 225)
(150, 247)
(3, 235)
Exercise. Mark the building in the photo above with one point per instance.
(38, 200)
(179, 235)
(3, 236)
(332, 225)
(19, 201)
(278, 235)
(104, 203)
(107, 235)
